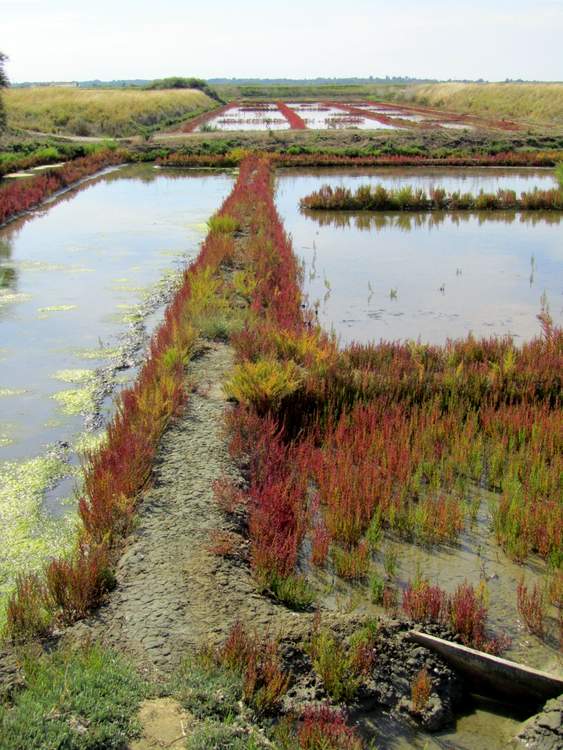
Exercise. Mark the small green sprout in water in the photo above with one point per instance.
(390, 560)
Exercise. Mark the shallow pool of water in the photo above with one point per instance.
(431, 276)
(247, 118)
(81, 279)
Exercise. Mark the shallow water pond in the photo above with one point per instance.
(248, 118)
(432, 275)
(83, 282)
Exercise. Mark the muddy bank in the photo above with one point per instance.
(173, 594)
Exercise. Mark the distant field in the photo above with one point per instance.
(106, 112)
(313, 91)
(540, 103)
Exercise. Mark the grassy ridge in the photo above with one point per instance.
(533, 102)
(106, 112)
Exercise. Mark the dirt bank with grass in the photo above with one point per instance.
(535, 103)
(101, 112)
(173, 594)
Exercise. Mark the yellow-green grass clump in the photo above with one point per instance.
(540, 103)
(100, 112)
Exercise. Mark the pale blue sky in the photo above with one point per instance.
(67, 39)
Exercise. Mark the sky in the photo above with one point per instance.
(65, 40)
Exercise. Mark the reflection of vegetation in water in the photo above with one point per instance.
(8, 274)
(410, 221)
(28, 536)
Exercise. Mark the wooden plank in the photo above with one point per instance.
(491, 675)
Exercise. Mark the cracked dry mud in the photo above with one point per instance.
(172, 594)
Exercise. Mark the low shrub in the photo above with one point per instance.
(263, 384)
(29, 612)
(84, 699)
(257, 661)
(223, 224)
(532, 607)
(351, 564)
(334, 664)
(324, 728)
(208, 689)
(293, 591)
(420, 690)
(79, 584)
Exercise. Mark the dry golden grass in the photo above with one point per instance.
(100, 112)
(540, 103)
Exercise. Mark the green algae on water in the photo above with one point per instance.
(77, 375)
(44, 312)
(11, 298)
(89, 442)
(4, 392)
(28, 535)
(76, 401)
(102, 352)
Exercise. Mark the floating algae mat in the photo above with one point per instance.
(83, 282)
(431, 276)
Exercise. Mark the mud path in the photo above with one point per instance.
(173, 594)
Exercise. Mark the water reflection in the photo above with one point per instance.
(8, 274)
(407, 221)
(433, 275)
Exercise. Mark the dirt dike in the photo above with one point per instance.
(173, 595)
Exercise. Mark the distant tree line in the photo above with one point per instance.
(178, 82)
(4, 83)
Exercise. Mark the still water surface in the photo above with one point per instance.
(431, 276)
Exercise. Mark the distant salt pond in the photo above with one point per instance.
(83, 282)
(431, 276)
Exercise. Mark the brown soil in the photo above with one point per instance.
(164, 724)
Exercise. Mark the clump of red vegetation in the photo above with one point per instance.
(325, 728)
(420, 690)
(464, 611)
(532, 607)
(21, 195)
(259, 663)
